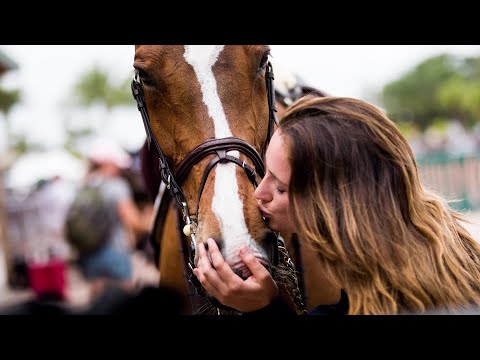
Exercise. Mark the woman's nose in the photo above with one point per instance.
(261, 193)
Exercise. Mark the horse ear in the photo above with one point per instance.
(309, 90)
(290, 87)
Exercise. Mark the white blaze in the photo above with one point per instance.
(226, 203)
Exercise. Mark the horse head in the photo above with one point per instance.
(207, 110)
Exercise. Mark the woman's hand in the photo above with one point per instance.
(230, 289)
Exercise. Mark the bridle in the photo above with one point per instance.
(219, 148)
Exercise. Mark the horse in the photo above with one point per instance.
(209, 112)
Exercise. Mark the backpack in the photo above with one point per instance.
(89, 222)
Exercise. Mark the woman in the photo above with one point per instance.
(342, 176)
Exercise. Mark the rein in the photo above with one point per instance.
(219, 148)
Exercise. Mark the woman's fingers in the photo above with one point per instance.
(210, 276)
(220, 281)
(255, 266)
(223, 269)
(203, 268)
(204, 282)
(260, 275)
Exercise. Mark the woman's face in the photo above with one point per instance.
(272, 192)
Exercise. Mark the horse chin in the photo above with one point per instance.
(265, 252)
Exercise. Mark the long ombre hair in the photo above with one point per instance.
(357, 199)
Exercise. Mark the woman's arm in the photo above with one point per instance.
(132, 217)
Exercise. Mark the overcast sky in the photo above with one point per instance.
(46, 76)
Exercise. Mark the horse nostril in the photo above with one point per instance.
(218, 242)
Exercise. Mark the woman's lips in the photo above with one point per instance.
(265, 214)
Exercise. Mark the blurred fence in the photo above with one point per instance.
(456, 177)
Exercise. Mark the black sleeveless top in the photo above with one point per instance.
(279, 307)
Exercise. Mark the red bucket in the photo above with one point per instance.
(48, 279)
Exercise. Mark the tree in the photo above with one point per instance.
(442, 88)
(20, 145)
(414, 97)
(95, 87)
(8, 99)
(459, 97)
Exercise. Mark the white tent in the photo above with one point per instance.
(35, 166)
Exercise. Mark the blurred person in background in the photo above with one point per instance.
(133, 175)
(48, 252)
(112, 263)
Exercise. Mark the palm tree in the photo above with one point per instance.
(95, 87)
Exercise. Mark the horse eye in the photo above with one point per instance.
(264, 60)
